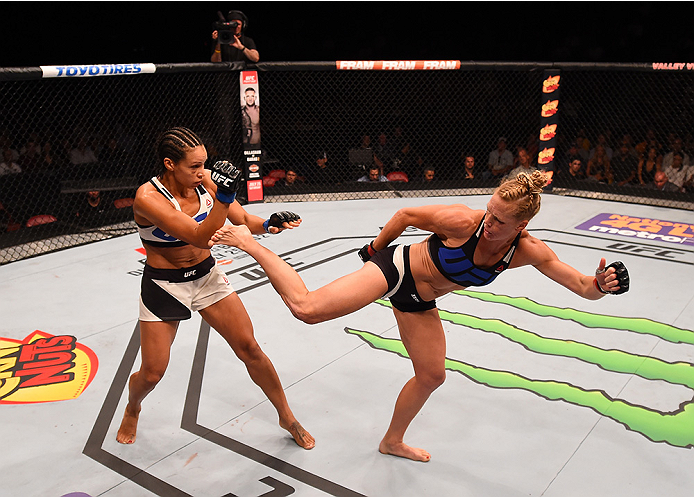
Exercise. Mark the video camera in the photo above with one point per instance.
(225, 31)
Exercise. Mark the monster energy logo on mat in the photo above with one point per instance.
(675, 428)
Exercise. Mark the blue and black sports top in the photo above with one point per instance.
(457, 265)
(151, 235)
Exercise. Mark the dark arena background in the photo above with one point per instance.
(403, 116)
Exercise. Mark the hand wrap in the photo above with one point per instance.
(620, 271)
(279, 218)
(227, 178)
(367, 252)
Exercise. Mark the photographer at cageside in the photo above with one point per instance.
(230, 43)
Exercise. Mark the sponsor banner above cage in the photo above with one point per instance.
(97, 70)
(398, 65)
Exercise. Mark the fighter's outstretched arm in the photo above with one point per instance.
(613, 280)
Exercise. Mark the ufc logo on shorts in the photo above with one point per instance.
(188, 274)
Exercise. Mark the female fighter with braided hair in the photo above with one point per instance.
(177, 212)
(467, 248)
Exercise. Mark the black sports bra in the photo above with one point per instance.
(457, 265)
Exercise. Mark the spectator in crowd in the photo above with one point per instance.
(241, 48)
(524, 162)
(623, 166)
(649, 141)
(8, 165)
(601, 142)
(629, 142)
(660, 182)
(576, 171)
(500, 160)
(428, 174)
(468, 167)
(677, 172)
(373, 175)
(318, 172)
(365, 143)
(648, 165)
(598, 168)
(93, 209)
(290, 180)
(571, 175)
(82, 153)
(676, 148)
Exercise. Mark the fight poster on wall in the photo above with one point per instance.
(250, 124)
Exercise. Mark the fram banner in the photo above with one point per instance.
(44, 368)
(398, 65)
(250, 123)
(643, 228)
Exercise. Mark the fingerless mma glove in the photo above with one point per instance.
(620, 271)
(279, 218)
(227, 178)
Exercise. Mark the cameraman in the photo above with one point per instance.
(241, 48)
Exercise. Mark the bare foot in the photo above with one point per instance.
(301, 436)
(234, 236)
(402, 450)
(128, 427)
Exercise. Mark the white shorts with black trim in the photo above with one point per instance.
(171, 294)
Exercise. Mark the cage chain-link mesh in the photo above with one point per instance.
(74, 136)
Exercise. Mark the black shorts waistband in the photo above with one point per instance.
(180, 275)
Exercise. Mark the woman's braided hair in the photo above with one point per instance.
(525, 190)
(174, 144)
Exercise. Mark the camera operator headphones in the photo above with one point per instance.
(240, 16)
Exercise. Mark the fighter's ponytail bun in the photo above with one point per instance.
(525, 190)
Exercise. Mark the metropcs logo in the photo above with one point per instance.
(44, 368)
(636, 227)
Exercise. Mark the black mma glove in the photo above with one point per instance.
(227, 178)
(279, 218)
(620, 271)
(367, 252)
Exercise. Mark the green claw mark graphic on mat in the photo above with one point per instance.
(675, 428)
